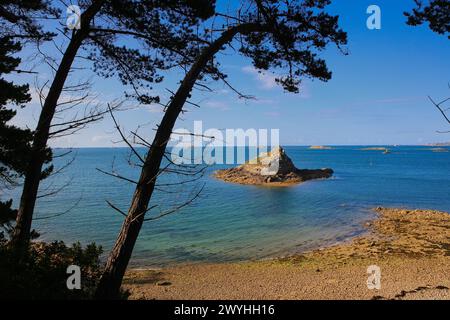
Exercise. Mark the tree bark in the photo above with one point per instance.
(110, 283)
(22, 230)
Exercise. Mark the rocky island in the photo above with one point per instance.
(320, 148)
(273, 168)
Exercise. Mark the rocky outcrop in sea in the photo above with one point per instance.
(273, 168)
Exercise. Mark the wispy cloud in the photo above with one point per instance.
(155, 108)
(102, 138)
(217, 105)
(264, 101)
(266, 80)
(257, 101)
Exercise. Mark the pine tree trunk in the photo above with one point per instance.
(109, 286)
(22, 230)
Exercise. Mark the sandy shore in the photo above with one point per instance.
(411, 247)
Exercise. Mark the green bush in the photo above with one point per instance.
(40, 273)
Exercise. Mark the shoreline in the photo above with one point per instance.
(412, 248)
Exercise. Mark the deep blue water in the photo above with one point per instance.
(232, 222)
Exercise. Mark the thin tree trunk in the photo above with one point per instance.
(22, 230)
(109, 286)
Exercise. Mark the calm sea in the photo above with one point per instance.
(232, 222)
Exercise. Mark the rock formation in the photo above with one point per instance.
(271, 168)
(320, 147)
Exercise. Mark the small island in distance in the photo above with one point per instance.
(374, 149)
(321, 147)
(259, 172)
(439, 144)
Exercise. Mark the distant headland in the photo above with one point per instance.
(320, 147)
(439, 144)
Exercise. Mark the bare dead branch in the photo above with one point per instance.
(123, 136)
(163, 214)
(56, 191)
(61, 213)
(116, 208)
(115, 175)
(439, 107)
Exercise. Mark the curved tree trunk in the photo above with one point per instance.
(22, 230)
(109, 286)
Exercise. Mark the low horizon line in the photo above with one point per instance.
(283, 145)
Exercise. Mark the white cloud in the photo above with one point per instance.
(223, 91)
(155, 108)
(102, 138)
(257, 102)
(266, 80)
(217, 105)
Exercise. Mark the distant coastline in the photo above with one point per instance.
(320, 147)
(308, 146)
(439, 144)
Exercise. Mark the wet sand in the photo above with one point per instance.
(411, 247)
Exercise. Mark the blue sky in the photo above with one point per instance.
(378, 93)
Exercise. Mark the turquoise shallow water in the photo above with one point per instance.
(231, 222)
